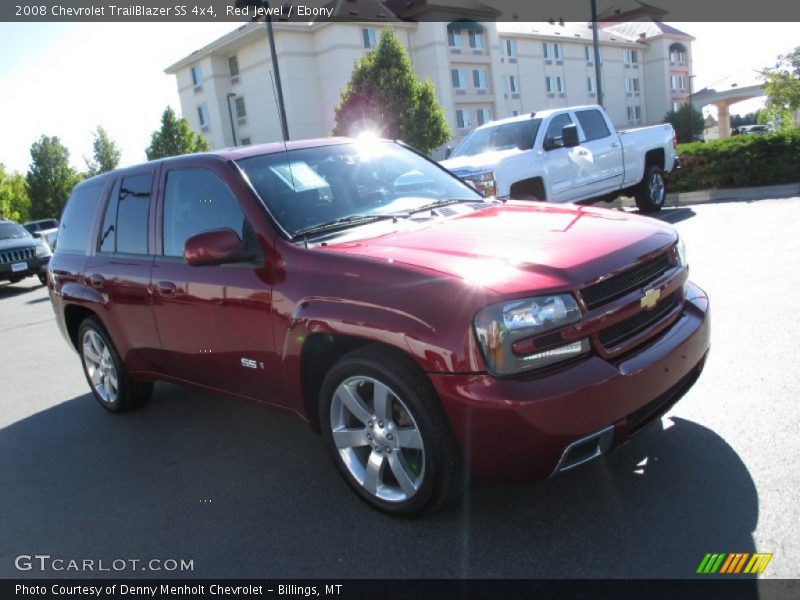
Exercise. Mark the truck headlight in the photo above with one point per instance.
(499, 326)
(680, 249)
(43, 249)
(484, 182)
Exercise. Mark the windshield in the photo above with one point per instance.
(517, 134)
(373, 179)
(12, 231)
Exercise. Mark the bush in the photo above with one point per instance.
(739, 161)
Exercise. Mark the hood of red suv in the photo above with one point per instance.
(520, 246)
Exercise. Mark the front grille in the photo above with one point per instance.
(648, 413)
(618, 285)
(625, 330)
(17, 255)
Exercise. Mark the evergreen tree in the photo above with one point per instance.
(175, 137)
(50, 178)
(105, 151)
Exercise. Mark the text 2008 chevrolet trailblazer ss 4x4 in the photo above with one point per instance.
(425, 331)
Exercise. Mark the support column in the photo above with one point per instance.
(723, 119)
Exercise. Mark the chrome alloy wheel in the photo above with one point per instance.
(377, 439)
(100, 367)
(656, 187)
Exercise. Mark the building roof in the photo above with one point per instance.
(645, 30)
(359, 10)
(563, 30)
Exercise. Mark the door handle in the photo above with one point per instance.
(166, 289)
(97, 280)
(582, 153)
(614, 145)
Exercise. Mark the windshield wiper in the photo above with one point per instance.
(435, 205)
(350, 221)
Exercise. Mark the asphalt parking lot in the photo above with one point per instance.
(245, 492)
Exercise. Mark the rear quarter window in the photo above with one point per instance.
(77, 218)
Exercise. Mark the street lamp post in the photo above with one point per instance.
(275, 68)
(596, 46)
(230, 115)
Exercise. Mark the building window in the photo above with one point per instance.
(197, 76)
(631, 84)
(677, 54)
(246, 141)
(483, 116)
(479, 79)
(509, 48)
(369, 37)
(635, 113)
(590, 85)
(560, 84)
(588, 53)
(241, 111)
(454, 38)
(513, 84)
(676, 106)
(475, 40)
(462, 118)
(233, 66)
(202, 115)
(459, 78)
(630, 57)
(514, 113)
(552, 50)
(549, 84)
(678, 82)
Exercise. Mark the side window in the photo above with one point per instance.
(557, 124)
(125, 222)
(77, 218)
(593, 124)
(197, 200)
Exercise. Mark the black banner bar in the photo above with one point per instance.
(398, 10)
(731, 588)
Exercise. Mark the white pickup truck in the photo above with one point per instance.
(567, 155)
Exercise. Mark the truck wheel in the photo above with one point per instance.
(387, 433)
(112, 386)
(651, 191)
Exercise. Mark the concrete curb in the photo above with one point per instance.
(728, 195)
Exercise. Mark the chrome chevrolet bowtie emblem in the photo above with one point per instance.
(650, 299)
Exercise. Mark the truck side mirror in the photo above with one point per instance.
(569, 136)
(216, 247)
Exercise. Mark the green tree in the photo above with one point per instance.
(105, 153)
(385, 96)
(687, 122)
(174, 137)
(782, 85)
(50, 178)
(15, 204)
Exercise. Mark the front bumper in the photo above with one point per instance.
(522, 427)
(34, 266)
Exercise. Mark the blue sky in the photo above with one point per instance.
(64, 79)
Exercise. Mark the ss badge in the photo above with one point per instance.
(249, 363)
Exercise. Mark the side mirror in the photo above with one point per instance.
(448, 151)
(215, 247)
(569, 136)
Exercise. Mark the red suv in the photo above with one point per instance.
(425, 331)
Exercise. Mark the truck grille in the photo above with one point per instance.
(620, 284)
(625, 330)
(16, 255)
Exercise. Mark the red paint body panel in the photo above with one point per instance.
(241, 328)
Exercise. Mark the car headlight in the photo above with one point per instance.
(499, 326)
(484, 182)
(43, 249)
(680, 249)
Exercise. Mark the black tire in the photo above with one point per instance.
(651, 191)
(442, 475)
(42, 278)
(130, 394)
